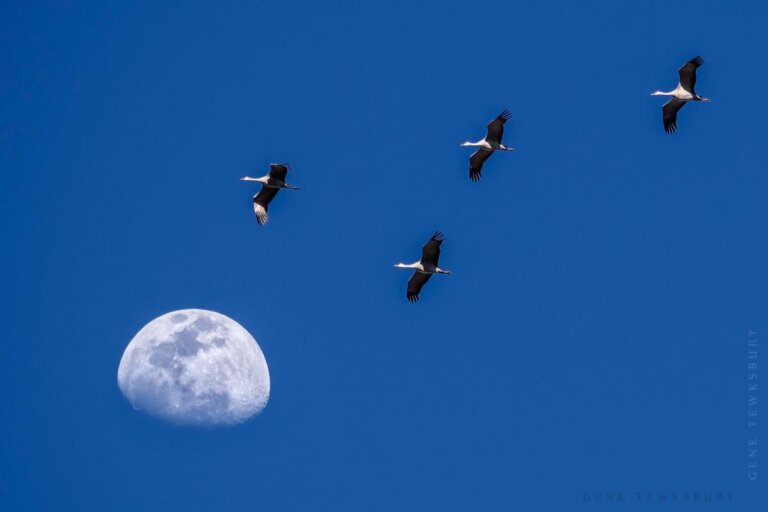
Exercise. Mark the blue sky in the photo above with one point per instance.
(592, 339)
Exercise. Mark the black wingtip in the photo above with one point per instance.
(697, 60)
(474, 176)
(438, 236)
(413, 297)
(670, 127)
(505, 114)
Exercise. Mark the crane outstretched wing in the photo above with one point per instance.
(278, 171)
(669, 114)
(430, 252)
(688, 74)
(476, 162)
(496, 127)
(261, 203)
(415, 284)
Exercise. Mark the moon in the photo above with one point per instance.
(195, 367)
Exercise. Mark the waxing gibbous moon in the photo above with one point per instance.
(195, 367)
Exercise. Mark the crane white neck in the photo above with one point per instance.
(263, 179)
